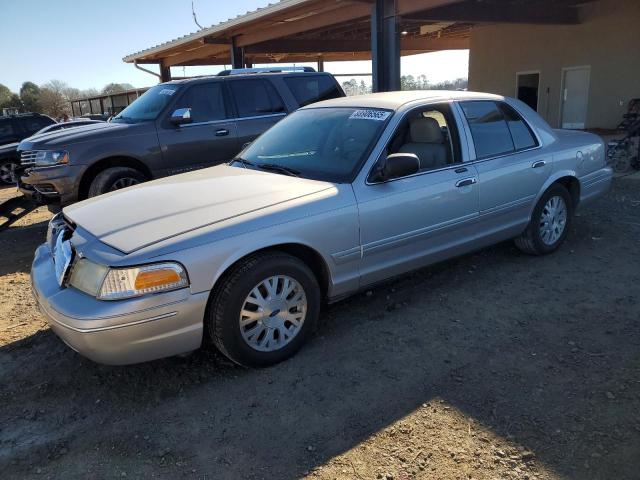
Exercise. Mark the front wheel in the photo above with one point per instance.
(264, 310)
(115, 178)
(549, 222)
(7, 176)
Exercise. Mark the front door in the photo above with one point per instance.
(575, 97)
(210, 139)
(409, 222)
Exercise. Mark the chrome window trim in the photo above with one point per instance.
(232, 119)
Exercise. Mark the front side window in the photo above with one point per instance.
(148, 106)
(309, 89)
(489, 128)
(256, 97)
(206, 101)
(320, 143)
(429, 133)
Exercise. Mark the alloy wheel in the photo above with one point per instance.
(123, 183)
(6, 173)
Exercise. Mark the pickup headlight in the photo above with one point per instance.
(50, 158)
(119, 283)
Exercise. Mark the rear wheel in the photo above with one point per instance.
(264, 310)
(549, 223)
(115, 178)
(6, 172)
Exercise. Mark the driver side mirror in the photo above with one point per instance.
(398, 165)
(181, 116)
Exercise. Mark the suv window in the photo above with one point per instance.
(206, 101)
(489, 129)
(7, 133)
(312, 88)
(520, 132)
(33, 124)
(255, 97)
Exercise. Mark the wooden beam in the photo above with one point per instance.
(493, 13)
(320, 20)
(291, 45)
(201, 52)
(216, 41)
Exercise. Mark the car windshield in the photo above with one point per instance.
(148, 106)
(318, 143)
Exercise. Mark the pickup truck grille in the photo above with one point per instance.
(28, 158)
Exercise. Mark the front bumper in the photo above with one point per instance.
(56, 184)
(118, 332)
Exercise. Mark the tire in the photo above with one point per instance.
(223, 320)
(6, 172)
(115, 178)
(531, 241)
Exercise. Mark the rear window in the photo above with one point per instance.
(33, 124)
(312, 88)
(520, 132)
(489, 128)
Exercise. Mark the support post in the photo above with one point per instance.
(385, 46)
(320, 64)
(237, 55)
(165, 73)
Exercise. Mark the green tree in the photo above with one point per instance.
(8, 99)
(30, 96)
(112, 88)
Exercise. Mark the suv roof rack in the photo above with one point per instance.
(243, 71)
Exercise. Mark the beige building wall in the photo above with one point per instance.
(608, 41)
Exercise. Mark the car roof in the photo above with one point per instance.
(207, 78)
(395, 100)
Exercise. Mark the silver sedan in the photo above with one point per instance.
(336, 197)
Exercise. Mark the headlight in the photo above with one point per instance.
(50, 158)
(119, 283)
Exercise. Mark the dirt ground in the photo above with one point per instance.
(496, 365)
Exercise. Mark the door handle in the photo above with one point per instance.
(461, 170)
(465, 182)
(222, 132)
(539, 164)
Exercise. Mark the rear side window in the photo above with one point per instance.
(489, 128)
(206, 101)
(312, 88)
(6, 131)
(33, 124)
(255, 97)
(520, 132)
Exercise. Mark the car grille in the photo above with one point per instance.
(28, 158)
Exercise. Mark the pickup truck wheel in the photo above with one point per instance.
(6, 172)
(549, 222)
(115, 178)
(264, 310)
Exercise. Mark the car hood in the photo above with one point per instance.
(139, 216)
(81, 133)
(8, 148)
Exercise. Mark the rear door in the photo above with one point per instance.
(258, 106)
(512, 167)
(210, 139)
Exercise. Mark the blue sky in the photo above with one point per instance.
(83, 42)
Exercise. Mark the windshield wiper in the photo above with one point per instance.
(279, 168)
(245, 163)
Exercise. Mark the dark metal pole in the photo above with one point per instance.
(320, 64)
(237, 55)
(165, 73)
(385, 46)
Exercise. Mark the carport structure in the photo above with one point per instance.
(341, 30)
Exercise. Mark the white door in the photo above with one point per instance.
(575, 97)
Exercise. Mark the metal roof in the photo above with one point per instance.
(219, 27)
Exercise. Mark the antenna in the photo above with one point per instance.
(193, 12)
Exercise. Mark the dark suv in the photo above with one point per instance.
(14, 128)
(174, 127)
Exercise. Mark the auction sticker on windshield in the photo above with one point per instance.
(380, 115)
